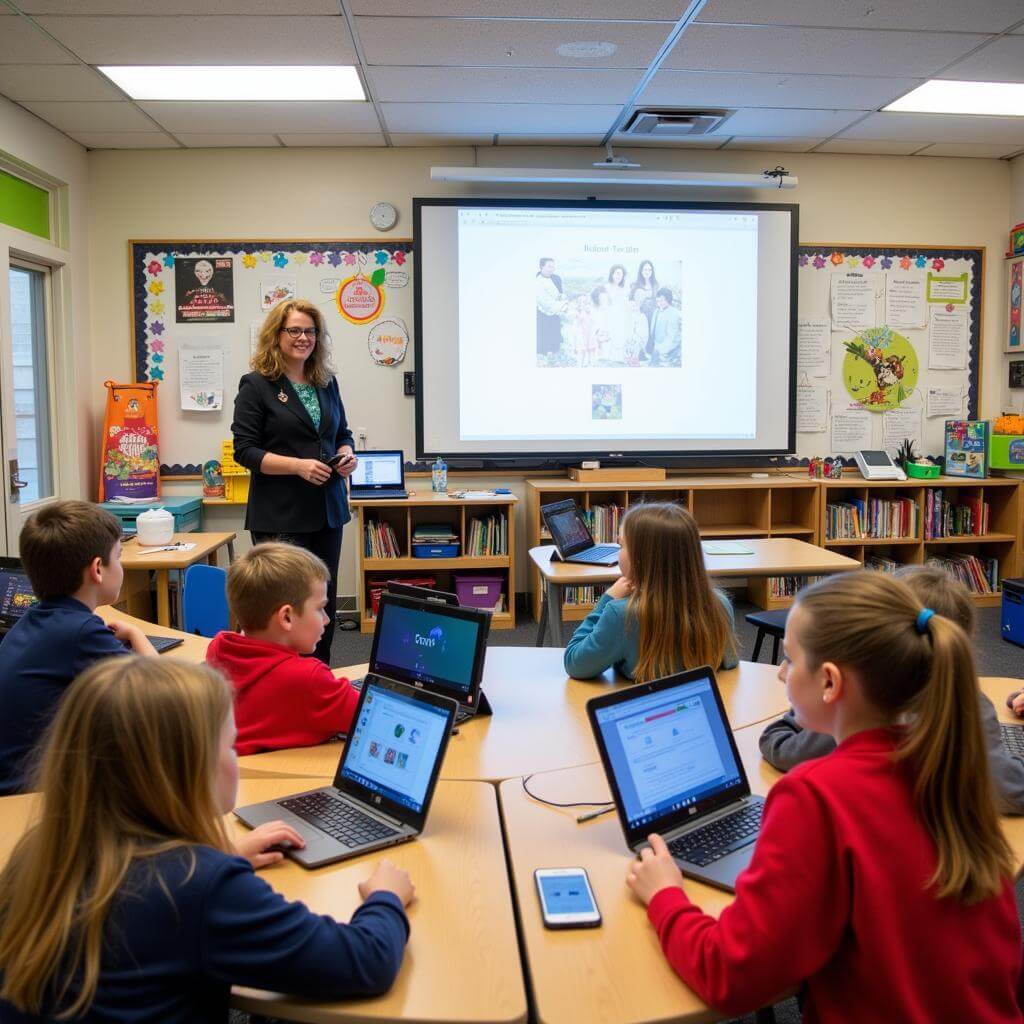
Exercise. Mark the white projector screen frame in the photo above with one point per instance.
(463, 399)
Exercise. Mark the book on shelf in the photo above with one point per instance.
(488, 536)
(434, 533)
(978, 575)
(787, 586)
(844, 520)
(380, 540)
(968, 517)
(876, 519)
(878, 563)
(604, 522)
(582, 595)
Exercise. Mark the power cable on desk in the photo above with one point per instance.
(604, 806)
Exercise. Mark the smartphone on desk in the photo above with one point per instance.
(566, 898)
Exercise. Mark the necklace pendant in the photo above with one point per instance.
(281, 396)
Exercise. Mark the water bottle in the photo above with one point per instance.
(439, 476)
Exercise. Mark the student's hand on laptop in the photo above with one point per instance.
(653, 871)
(1015, 702)
(253, 846)
(313, 471)
(387, 877)
(622, 587)
(132, 637)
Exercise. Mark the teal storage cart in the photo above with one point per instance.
(187, 512)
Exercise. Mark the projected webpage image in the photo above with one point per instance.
(605, 325)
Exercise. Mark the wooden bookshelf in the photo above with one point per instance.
(403, 515)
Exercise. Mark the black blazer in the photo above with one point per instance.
(263, 423)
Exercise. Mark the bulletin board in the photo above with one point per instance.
(197, 307)
(888, 346)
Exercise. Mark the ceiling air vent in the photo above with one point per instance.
(671, 123)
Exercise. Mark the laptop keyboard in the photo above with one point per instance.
(715, 840)
(1013, 739)
(164, 643)
(338, 819)
(597, 551)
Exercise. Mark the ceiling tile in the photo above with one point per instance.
(499, 85)
(936, 127)
(972, 149)
(273, 117)
(21, 43)
(497, 117)
(54, 82)
(306, 139)
(767, 122)
(817, 51)
(596, 10)
(732, 89)
(206, 40)
(879, 147)
(441, 139)
(924, 15)
(166, 7)
(634, 142)
(466, 43)
(507, 139)
(91, 117)
(1000, 61)
(227, 140)
(781, 144)
(124, 140)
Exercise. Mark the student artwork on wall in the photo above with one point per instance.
(212, 296)
(888, 343)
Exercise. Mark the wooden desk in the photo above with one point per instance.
(464, 910)
(772, 556)
(193, 648)
(134, 559)
(539, 722)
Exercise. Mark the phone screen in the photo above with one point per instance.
(566, 898)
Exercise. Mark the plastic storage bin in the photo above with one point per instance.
(478, 591)
(187, 512)
(378, 584)
(435, 550)
(1012, 619)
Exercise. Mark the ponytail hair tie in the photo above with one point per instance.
(922, 619)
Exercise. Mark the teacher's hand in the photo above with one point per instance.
(312, 470)
(346, 465)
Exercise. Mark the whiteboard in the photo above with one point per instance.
(188, 297)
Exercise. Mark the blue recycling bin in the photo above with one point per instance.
(1012, 621)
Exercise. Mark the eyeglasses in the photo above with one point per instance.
(297, 332)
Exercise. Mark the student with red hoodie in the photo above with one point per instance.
(277, 594)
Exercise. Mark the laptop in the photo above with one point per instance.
(428, 594)
(573, 540)
(378, 475)
(1013, 739)
(384, 783)
(17, 596)
(673, 768)
(435, 647)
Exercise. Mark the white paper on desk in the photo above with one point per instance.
(851, 431)
(947, 338)
(201, 372)
(905, 304)
(811, 408)
(947, 402)
(898, 425)
(188, 546)
(813, 341)
(853, 300)
(725, 547)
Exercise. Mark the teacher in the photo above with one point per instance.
(289, 424)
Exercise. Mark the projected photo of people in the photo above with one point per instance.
(593, 312)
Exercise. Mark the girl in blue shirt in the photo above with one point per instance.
(662, 615)
(126, 901)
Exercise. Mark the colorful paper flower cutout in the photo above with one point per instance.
(868, 261)
(155, 287)
(316, 257)
(904, 262)
(156, 327)
(158, 358)
(938, 263)
(169, 260)
(157, 345)
(154, 267)
(156, 307)
(399, 257)
(348, 258)
(381, 257)
(334, 258)
(265, 256)
(299, 257)
(819, 261)
(920, 262)
(802, 259)
(249, 260)
(836, 258)
(280, 260)
(886, 263)
(157, 373)
(852, 260)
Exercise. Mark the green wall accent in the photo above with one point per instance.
(24, 206)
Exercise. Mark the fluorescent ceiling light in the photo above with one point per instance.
(599, 175)
(947, 97)
(261, 82)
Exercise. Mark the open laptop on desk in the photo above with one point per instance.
(673, 768)
(384, 783)
(378, 475)
(572, 537)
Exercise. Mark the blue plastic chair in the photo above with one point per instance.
(205, 600)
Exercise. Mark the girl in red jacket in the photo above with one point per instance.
(881, 880)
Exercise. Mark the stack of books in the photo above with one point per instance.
(967, 518)
(978, 575)
(582, 595)
(434, 533)
(380, 541)
(488, 536)
(891, 518)
(787, 586)
(880, 564)
(844, 520)
(604, 522)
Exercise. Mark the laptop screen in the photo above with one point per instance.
(16, 593)
(378, 469)
(394, 746)
(568, 528)
(426, 645)
(667, 750)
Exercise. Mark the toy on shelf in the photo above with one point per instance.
(1006, 443)
(967, 448)
(825, 468)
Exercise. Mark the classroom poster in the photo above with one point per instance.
(204, 290)
(947, 337)
(201, 371)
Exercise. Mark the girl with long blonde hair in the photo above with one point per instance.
(881, 879)
(126, 900)
(662, 615)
